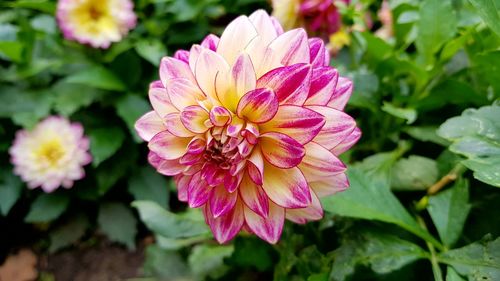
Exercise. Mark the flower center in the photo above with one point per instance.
(50, 152)
(94, 12)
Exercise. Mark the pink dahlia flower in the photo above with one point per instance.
(250, 125)
(97, 23)
(320, 17)
(50, 155)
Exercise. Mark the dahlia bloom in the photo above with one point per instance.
(319, 17)
(50, 155)
(97, 23)
(250, 125)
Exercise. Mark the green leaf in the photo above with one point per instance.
(164, 264)
(433, 31)
(477, 261)
(409, 114)
(371, 200)
(476, 135)
(68, 233)
(109, 172)
(151, 50)
(71, 97)
(452, 275)
(147, 184)
(47, 207)
(11, 50)
(414, 173)
(178, 243)
(379, 166)
(488, 11)
(45, 6)
(130, 108)
(208, 260)
(118, 222)
(10, 190)
(252, 252)
(97, 77)
(426, 134)
(104, 142)
(449, 210)
(25, 107)
(166, 223)
(383, 252)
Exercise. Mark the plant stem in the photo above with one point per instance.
(436, 270)
(450, 177)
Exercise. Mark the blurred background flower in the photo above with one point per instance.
(97, 23)
(51, 155)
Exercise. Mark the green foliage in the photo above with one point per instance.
(118, 223)
(10, 191)
(68, 233)
(47, 207)
(476, 135)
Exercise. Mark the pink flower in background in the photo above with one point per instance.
(250, 125)
(50, 155)
(319, 17)
(97, 23)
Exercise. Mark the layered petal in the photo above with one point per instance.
(287, 188)
(347, 143)
(254, 196)
(168, 146)
(269, 228)
(312, 212)
(300, 123)
(319, 163)
(342, 94)
(258, 106)
(149, 125)
(281, 150)
(337, 127)
(208, 65)
(195, 118)
(290, 83)
(322, 86)
(222, 201)
(330, 185)
(226, 226)
(235, 38)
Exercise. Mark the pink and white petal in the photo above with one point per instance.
(290, 83)
(319, 163)
(174, 125)
(262, 21)
(221, 201)
(210, 42)
(220, 116)
(341, 94)
(171, 68)
(292, 47)
(347, 143)
(330, 185)
(235, 38)
(182, 183)
(182, 55)
(263, 58)
(226, 226)
(168, 146)
(256, 166)
(160, 101)
(338, 126)
(312, 212)
(277, 26)
(208, 65)
(149, 125)
(270, 228)
(281, 150)
(298, 122)
(254, 196)
(198, 191)
(286, 187)
(319, 54)
(258, 106)
(195, 118)
(322, 86)
(165, 167)
(194, 53)
(183, 93)
(231, 182)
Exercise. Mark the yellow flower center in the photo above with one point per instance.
(94, 16)
(50, 152)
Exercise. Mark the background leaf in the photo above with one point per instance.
(47, 207)
(10, 190)
(118, 223)
(147, 184)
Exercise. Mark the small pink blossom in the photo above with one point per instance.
(50, 155)
(97, 23)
